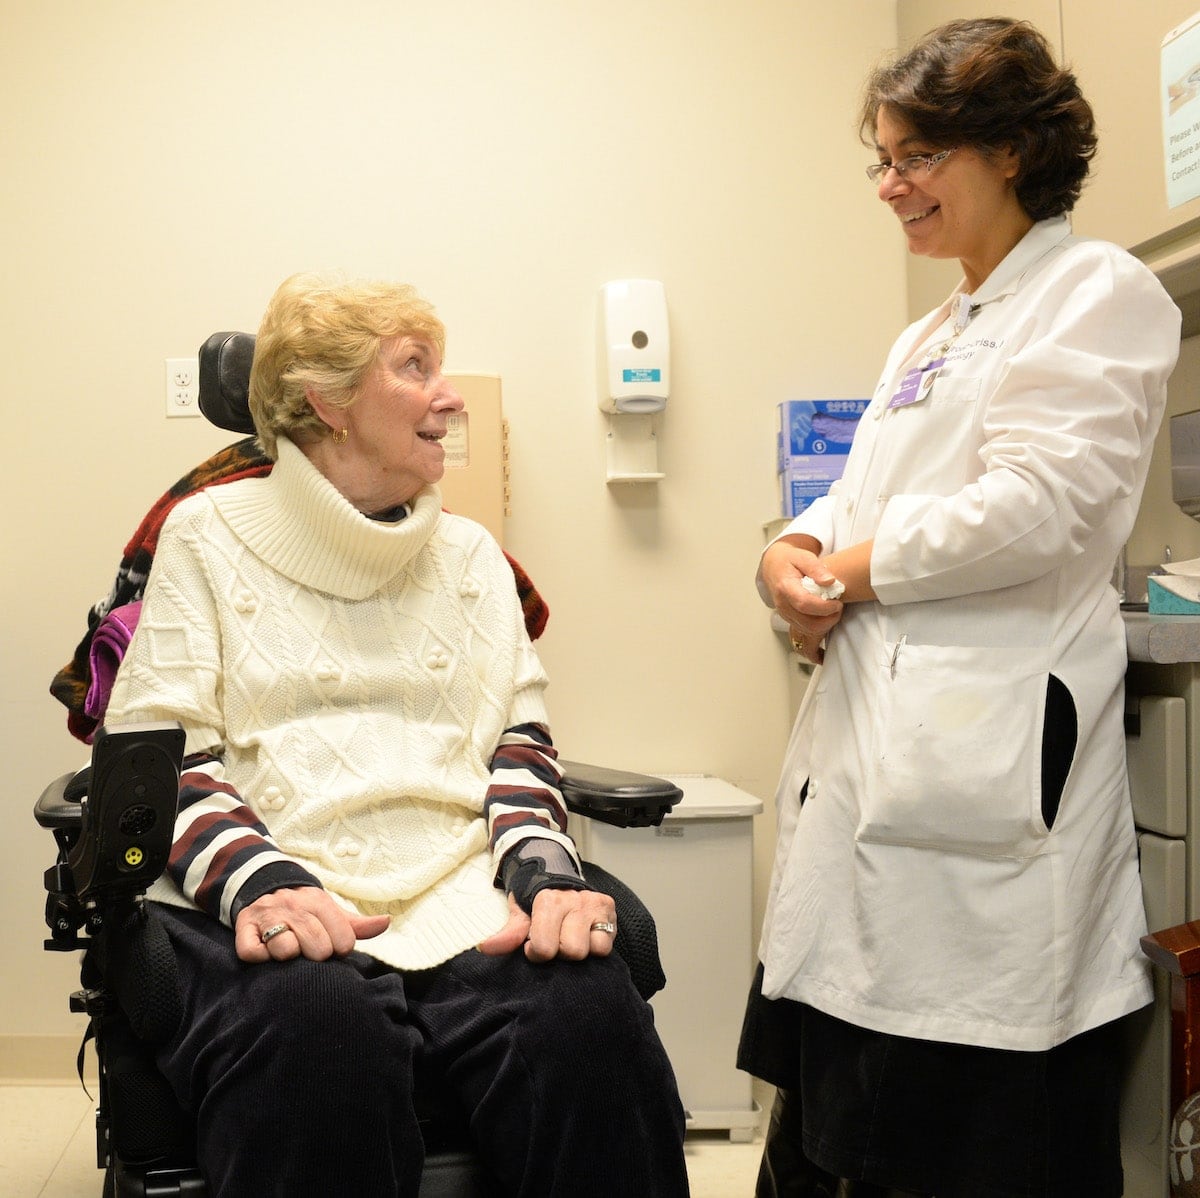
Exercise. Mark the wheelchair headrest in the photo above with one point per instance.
(225, 380)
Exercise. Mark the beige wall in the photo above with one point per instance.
(166, 165)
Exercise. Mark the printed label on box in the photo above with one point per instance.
(798, 492)
(457, 441)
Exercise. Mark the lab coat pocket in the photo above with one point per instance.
(957, 750)
(953, 391)
(932, 446)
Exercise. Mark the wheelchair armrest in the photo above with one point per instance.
(618, 797)
(114, 820)
(58, 807)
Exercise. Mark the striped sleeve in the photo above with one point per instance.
(523, 800)
(220, 844)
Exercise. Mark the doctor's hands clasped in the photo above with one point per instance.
(785, 566)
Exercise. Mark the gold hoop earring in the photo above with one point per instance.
(341, 436)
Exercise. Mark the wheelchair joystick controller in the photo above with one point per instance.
(128, 815)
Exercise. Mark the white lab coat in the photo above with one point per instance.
(918, 891)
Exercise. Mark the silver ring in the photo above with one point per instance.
(272, 932)
(610, 928)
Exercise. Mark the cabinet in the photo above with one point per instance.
(1162, 732)
(1162, 715)
(694, 873)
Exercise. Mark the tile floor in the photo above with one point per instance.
(47, 1149)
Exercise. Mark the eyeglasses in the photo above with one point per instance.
(912, 164)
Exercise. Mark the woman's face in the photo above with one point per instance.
(397, 422)
(965, 207)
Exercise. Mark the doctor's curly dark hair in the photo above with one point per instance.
(993, 84)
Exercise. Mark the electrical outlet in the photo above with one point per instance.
(183, 387)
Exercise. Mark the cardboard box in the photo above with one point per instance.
(812, 442)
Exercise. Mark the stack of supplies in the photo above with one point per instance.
(813, 440)
(1175, 591)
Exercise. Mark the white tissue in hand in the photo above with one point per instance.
(834, 590)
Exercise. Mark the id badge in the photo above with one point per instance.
(915, 385)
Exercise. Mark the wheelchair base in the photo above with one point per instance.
(447, 1175)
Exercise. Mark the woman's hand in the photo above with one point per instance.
(784, 566)
(562, 926)
(314, 926)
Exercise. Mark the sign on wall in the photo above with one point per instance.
(1181, 111)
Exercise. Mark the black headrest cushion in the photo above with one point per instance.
(225, 380)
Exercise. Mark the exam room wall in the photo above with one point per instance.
(167, 165)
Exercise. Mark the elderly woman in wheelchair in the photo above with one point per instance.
(371, 879)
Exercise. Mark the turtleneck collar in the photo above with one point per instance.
(302, 526)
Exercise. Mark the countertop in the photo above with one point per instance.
(706, 797)
(1161, 639)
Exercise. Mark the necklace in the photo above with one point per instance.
(961, 312)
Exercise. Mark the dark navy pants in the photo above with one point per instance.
(301, 1072)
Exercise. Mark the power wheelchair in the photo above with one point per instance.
(112, 824)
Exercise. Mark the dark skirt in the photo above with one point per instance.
(953, 1120)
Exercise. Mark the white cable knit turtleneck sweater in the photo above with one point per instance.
(355, 679)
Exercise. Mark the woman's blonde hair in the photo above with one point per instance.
(325, 334)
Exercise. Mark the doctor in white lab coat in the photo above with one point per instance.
(954, 914)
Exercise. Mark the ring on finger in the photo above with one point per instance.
(273, 931)
(605, 926)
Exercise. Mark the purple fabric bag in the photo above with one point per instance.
(108, 646)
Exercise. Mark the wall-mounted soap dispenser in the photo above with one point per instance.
(634, 353)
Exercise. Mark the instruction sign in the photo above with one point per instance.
(1181, 111)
